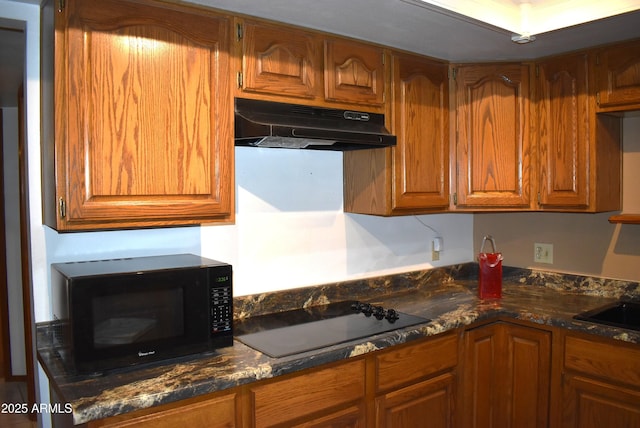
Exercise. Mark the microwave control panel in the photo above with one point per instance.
(221, 306)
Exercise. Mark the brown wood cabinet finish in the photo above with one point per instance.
(354, 73)
(506, 377)
(139, 134)
(618, 77)
(417, 383)
(412, 177)
(220, 411)
(563, 131)
(312, 396)
(421, 158)
(579, 151)
(280, 61)
(428, 403)
(601, 383)
(493, 154)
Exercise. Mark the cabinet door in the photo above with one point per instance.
(618, 77)
(280, 61)
(590, 403)
(354, 73)
(506, 377)
(563, 131)
(426, 404)
(421, 112)
(144, 122)
(493, 153)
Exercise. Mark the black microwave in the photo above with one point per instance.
(110, 314)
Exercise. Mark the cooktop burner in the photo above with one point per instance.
(292, 332)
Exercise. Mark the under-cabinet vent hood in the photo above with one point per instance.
(292, 126)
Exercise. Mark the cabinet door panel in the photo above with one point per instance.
(148, 106)
(354, 73)
(421, 165)
(507, 372)
(529, 351)
(618, 77)
(493, 153)
(593, 404)
(425, 404)
(280, 61)
(563, 131)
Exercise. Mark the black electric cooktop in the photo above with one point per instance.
(292, 332)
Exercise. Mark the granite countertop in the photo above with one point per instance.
(447, 296)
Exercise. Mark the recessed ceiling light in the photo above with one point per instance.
(524, 18)
(522, 38)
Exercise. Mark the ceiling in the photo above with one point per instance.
(430, 27)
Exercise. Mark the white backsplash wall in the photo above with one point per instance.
(291, 230)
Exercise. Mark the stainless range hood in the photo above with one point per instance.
(291, 126)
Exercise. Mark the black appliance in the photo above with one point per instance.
(114, 313)
(292, 126)
(292, 332)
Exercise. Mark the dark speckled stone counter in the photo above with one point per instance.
(448, 296)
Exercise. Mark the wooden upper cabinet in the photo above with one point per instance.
(493, 158)
(354, 73)
(142, 116)
(280, 61)
(420, 109)
(579, 151)
(563, 131)
(618, 77)
(413, 177)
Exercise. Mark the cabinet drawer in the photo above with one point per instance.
(217, 412)
(409, 363)
(612, 361)
(285, 400)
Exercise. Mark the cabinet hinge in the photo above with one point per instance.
(452, 73)
(239, 79)
(61, 5)
(455, 198)
(62, 208)
(239, 32)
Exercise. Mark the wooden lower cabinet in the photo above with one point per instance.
(425, 404)
(600, 383)
(415, 384)
(506, 377)
(220, 411)
(332, 396)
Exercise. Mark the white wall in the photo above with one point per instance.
(291, 230)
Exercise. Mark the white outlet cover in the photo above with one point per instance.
(543, 253)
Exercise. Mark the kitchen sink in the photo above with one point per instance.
(619, 314)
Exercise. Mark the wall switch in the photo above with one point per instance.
(543, 253)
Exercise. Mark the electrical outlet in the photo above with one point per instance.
(543, 253)
(436, 247)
